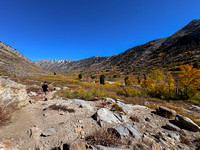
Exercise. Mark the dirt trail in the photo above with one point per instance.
(25, 120)
(16, 129)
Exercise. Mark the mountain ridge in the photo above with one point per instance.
(13, 63)
(166, 52)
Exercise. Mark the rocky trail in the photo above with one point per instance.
(78, 125)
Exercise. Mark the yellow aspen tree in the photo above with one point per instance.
(170, 83)
(146, 83)
(189, 77)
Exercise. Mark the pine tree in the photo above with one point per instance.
(102, 79)
(80, 76)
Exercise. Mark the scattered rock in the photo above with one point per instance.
(100, 147)
(65, 88)
(195, 108)
(49, 132)
(61, 112)
(96, 99)
(174, 136)
(134, 131)
(78, 130)
(57, 88)
(124, 118)
(76, 145)
(147, 140)
(34, 132)
(156, 147)
(147, 119)
(32, 93)
(104, 114)
(83, 104)
(120, 131)
(109, 82)
(172, 127)
(7, 145)
(146, 103)
(109, 99)
(186, 123)
(127, 108)
(136, 86)
(125, 131)
(165, 112)
(82, 133)
(140, 106)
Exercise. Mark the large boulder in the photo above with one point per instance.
(172, 127)
(126, 131)
(104, 114)
(197, 108)
(12, 93)
(83, 104)
(165, 112)
(186, 123)
(75, 145)
(127, 108)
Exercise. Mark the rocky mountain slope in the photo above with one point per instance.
(53, 65)
(170, 52)
(14, 63)
(67, 65)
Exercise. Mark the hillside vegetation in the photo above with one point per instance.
(183, 47)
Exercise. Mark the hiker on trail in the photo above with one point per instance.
(45, 90)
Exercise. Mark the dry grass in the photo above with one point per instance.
(60, 107)
(181, 112)
(184, 140)
(104, 104)
(4, 115)
(103, 137)
(153, 106)
(197, 143)
(116, 107)
(177, 109)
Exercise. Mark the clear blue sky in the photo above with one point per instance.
(78, 29)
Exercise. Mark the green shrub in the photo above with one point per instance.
(129, 91)
(93, 77)
(196, 96)
(116, 107)
(84, 94)
(126, 79)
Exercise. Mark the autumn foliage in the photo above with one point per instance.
(163, 85)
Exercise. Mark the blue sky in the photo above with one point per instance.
(78, 29)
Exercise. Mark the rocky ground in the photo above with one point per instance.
(103, 124)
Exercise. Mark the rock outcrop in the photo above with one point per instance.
(186, 123)
(12, 93)
(166, 112)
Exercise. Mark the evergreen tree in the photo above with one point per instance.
(80, 76)
(102, 79)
